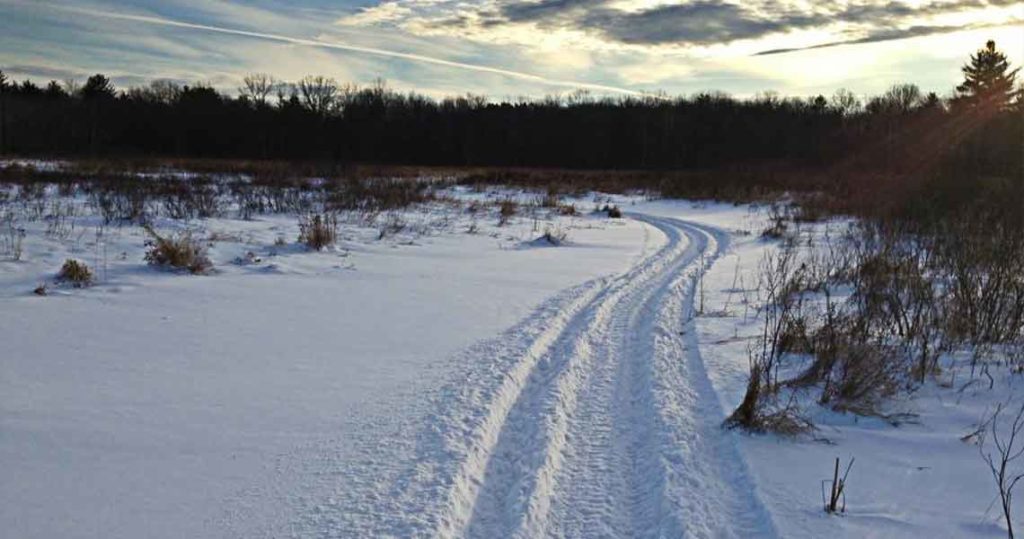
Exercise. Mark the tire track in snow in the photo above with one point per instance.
(622, 439)
(705, 487)
(592, 417)
(615, 428)
(419, 499)
(516, 487)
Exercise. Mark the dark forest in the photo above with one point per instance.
(877, 148)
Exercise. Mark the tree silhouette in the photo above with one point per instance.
(54, 90)
(318, 118)
(319, 94)
(845, 102)
(988, 81)
(257, 87)
(898, 99)
(97, 87)
(97, 92)
(3, 111)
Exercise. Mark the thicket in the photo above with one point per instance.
(933, 265)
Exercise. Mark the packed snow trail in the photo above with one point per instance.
(594, 417)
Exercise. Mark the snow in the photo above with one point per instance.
(437, 383)
(915, 480)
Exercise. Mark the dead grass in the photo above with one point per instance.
(318, 231)
(76, 273)
(180, 251)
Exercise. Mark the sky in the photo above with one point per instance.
(514, 48)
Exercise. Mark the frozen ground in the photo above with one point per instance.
(436, 383)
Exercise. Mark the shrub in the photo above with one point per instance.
(391, 226)
(550, 200)
(121, 200)
(761, 412)
(180, 251)
(1002, 462)
(11, 238)
(983, 266)
(793, 336)
(198, 197)
(318, 231)
(778, 224)
(862, 376)
(376, 194)
(506, 210)
(614, 212)
(75, 273)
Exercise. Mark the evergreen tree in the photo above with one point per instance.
(98, 92)
(988, 80)
(3, 111)
(98, 87)
(54, 90)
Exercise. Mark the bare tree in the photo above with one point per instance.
(159, 91)
(257, 87)
(71, 86)
(319, 94)
(579, 97)
(286, 91)
(1000, 463)
(845, 102)
(898, 99)
(165, 90)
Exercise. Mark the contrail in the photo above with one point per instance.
(353, 48)
(892, 35)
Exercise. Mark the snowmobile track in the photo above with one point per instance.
(593, 417)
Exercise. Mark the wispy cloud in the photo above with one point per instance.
(512, 48)
(892, 34)
(146, 19)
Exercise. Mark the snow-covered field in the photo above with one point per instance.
(455, 378)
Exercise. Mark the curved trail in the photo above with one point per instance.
(594, 417)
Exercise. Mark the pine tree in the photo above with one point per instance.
(3, 111)
(987, 79)
(98, 87)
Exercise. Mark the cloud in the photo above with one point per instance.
(685, 24)
(890, 34)
(417, 58)
(545, 10)
(375, 15)
(511, 47)
(696, 23)
(42, 71)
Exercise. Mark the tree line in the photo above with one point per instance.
(319, 118)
